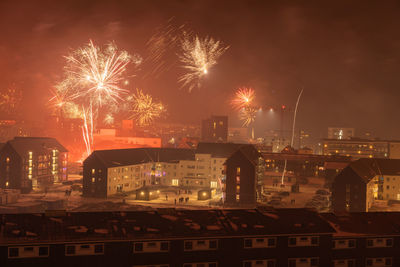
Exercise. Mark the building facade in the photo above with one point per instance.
(215, 129)
(31, 162)
(356, 187)
(108, 172)
(242, 182)
(340, 133)
(361, 148)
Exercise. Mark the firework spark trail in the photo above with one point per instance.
(86, 132)
(247, 115)
(293, 126)
(92, 80)
(161, 43)
(198, 56)
(97, 74)
(243, 98)
(144, 109)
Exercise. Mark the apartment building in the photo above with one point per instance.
(356, 187)
(193, 238)
(31, 162)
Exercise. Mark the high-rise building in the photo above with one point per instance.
(340, 133)
(215, 129)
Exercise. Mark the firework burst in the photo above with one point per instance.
(93, 77)
(243, 98)
(198, 56)
(96, 74)
(144, 109)
(247, 115)
(10, 100)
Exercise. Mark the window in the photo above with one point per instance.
(164, 246)
(28, 252)
(248, 243)
(43, 251)
(259, 263)
(379, 242)
(70, 250)
(84, 249)
(378, 262)
(138, 247)
(201, 264)
(303, 241)
(98, 248)
(260, 242)
(213, 244)
(200, 244)
(154, 246)
(303, 262)
(344, 263)
(13, 252)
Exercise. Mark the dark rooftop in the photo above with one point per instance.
(122, 157)
(217, 150)
(39, 144)
(364, 223)
(368, 168)
(159, 223)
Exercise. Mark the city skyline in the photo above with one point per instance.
(344, 62)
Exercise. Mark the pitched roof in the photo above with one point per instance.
(364, 223)
(250, 152)
(368, 168)
(39, 144)
(218, 150)
(159, 224)
(123, 157)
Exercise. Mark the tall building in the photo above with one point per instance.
(215, 129)
(340, 133)
(30, 162)
(242, 179)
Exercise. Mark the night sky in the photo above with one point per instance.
(344, 54)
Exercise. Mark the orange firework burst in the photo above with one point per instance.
(243, 98)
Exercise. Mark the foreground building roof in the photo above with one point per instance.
(159, 223)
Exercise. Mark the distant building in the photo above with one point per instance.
(356, 187)
(108, 139)
(242, 183)
(238, 135)
(340, 133)
(361, 148)
(31, 162)
(215, 129)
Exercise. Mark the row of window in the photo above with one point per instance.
(371, 243)
(98, 249)
(43, 251)
(194, 245)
